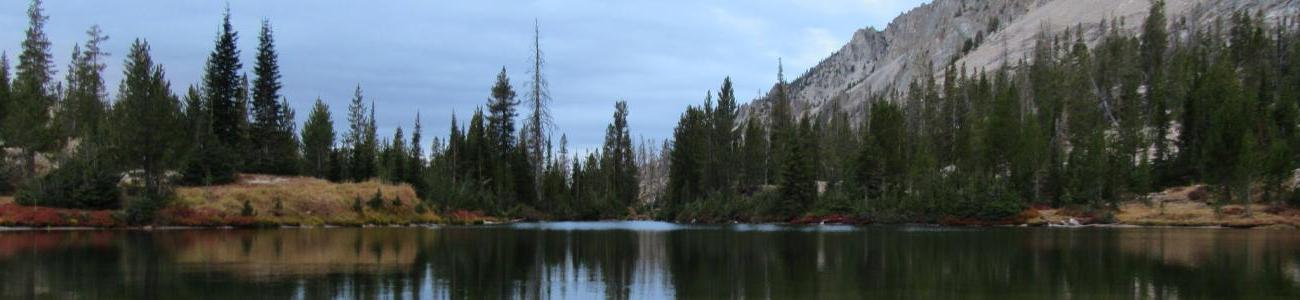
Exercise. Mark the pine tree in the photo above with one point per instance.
(781, 127)
(521, 174)
(454, 154)
(146, 119)
(1227, 130)
(360, 139)
(754, 154)
(416, 162)
(476, 157)
(798, 173)
(5, 91)
(221, 91)
(686, 161)
(395, 157)
(318, 140)
(476, 147)
(85, 97)
(881, 161)
(274, 148)
(501, 115)
(725, 137)
(620, 160)
(1155, 40)
(27, 120)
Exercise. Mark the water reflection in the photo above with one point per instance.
(622, 260)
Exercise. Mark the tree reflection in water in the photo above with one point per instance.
(622, 260)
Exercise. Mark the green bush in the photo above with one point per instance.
(141, 208)
(278, 209)
(376, 202)
(81, 181)
(248, 210)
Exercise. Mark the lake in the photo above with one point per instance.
(652, 260)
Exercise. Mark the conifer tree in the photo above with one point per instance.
(5, 92)
(360, 139)
(395, 157)
(1155, 40)
(476, 155)
(686, 165)
(781, 127)
(225, 116)
(221, 92)
(27, 123)
(274, 149)
(85, 96)
(798, 173)
(881, 161)
(146, 120)
(501, 115)
(620, 160)
(318, 140)
(754, 153)
(725, 137)
(416, 163)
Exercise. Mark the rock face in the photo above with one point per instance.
(979, 34)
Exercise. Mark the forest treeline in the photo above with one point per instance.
(69, 146)
(1069, 125)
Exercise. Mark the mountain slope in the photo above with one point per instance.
(978, 35)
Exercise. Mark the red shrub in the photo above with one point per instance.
(101, 218)
(185, 216)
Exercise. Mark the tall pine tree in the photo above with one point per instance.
(27, 123)
(85, 98)
(222, 92)
(620, 160)
(274, 149)
(360, 139)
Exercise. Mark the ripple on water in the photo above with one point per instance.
(611, 225)
(654, 226)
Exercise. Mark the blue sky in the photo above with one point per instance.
(436, 57)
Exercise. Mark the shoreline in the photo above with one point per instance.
(1270, 226)
(260, 201)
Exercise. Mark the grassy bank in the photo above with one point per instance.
(1179, 206)
(257, 200)
(296, 201)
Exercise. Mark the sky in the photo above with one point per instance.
(438, 57)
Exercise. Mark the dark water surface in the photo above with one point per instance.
(652, 260)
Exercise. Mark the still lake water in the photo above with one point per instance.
(652, 260)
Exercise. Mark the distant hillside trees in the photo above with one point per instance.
(1073, 125)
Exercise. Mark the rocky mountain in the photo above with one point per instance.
(979, 34)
